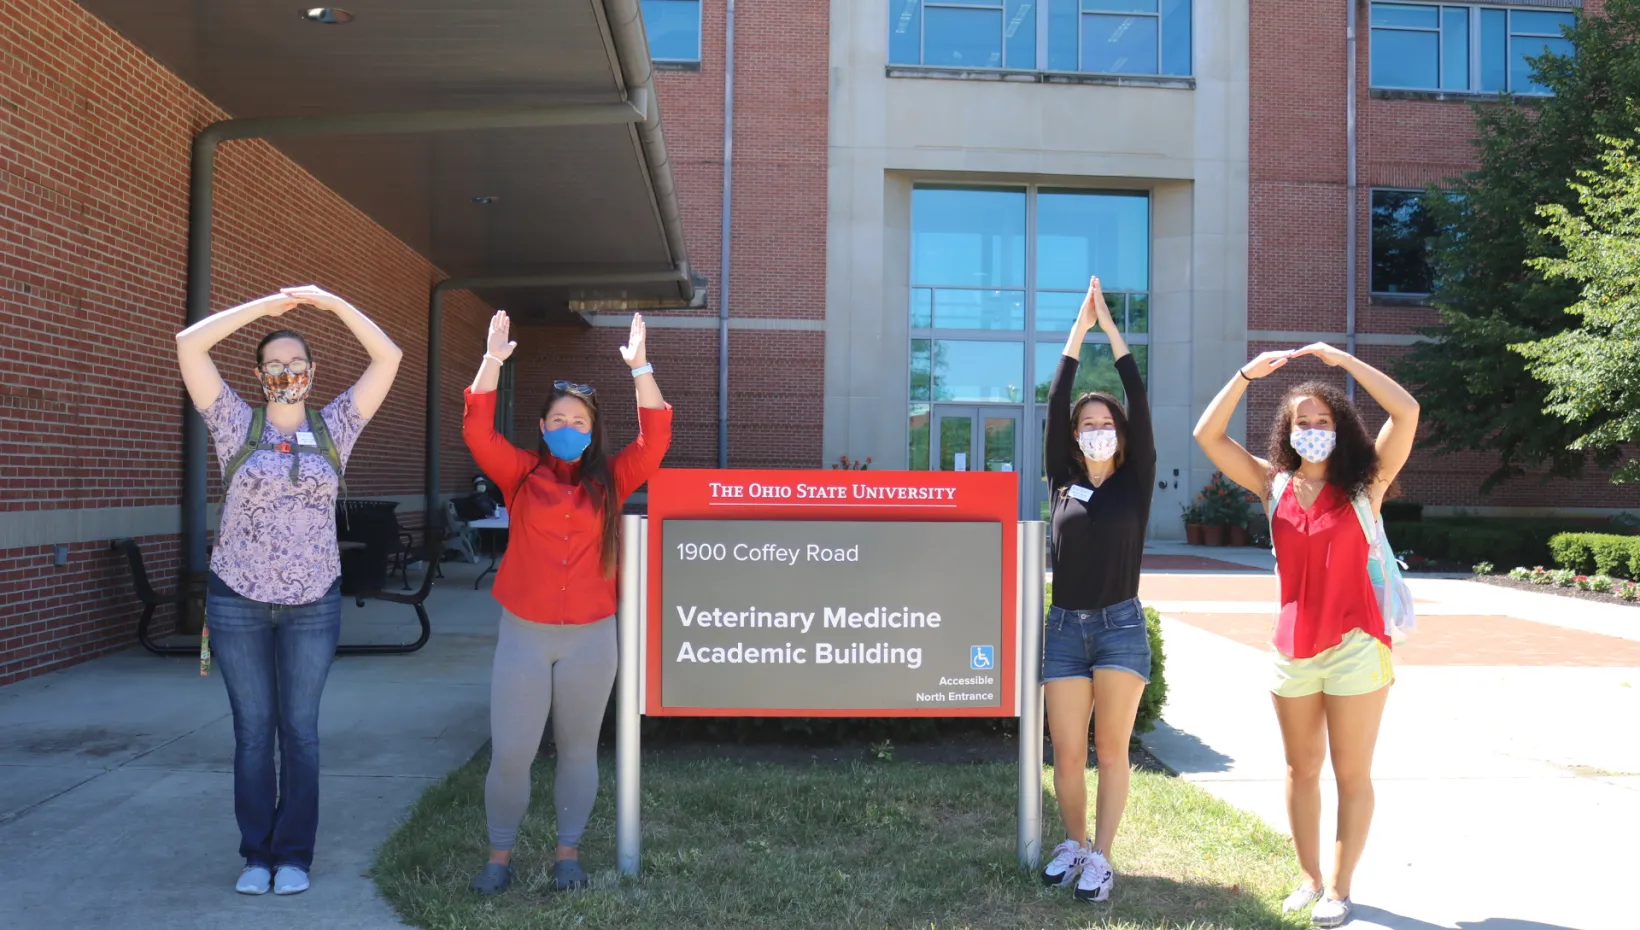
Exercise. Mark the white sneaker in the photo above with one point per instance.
(290, 880)
(254, 880)
(1066, 865)
(1331, 912)
(1300, 899)
(1096, 880)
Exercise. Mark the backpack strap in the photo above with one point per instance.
(327, 447)
(253, 438)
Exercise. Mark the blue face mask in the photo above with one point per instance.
(567, 442)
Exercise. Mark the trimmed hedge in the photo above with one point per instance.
(1469, 540)
(1597, 554)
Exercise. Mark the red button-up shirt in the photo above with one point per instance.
(552, 571)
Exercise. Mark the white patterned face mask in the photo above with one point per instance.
(1098, 444)
(1314, 445)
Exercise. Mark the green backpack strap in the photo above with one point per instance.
(327, 447)
(253, 438)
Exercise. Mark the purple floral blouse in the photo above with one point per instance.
(277, 540)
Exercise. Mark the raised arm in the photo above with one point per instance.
(194, 344)
(1395, 439)
(503, 462)
(372, 387)
(1212, 430)
(1059, 441)
(638, 462)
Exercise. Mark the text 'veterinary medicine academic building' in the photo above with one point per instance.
(856, 229)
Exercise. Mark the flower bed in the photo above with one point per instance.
(1566, 583)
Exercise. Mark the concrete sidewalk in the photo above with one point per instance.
(1502, 789)
(116, 785)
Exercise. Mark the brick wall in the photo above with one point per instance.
(94, 144)
(1297, 227)
(776, 377)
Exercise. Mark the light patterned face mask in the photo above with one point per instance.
(1098, 444)
(1314, 445)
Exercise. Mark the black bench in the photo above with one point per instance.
(153, 600)
(386, 549)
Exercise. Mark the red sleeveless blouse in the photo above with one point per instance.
(1321, 561)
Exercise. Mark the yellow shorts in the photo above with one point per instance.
(1358, 665)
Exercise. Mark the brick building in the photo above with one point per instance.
(919, 191)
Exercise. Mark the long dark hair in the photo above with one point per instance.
(1118, 415)
(596, 478)
(282, 334)
(1354, 463)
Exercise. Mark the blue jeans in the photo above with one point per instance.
(1076, 642)
(274, 660)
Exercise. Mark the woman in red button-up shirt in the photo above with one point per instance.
(556, 647)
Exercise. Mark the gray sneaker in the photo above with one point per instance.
(493, 880)
(568, 874)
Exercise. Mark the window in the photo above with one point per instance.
(997, 275)
(1463, 48)
(673, 27)
(1401, 234)
(1093, 36)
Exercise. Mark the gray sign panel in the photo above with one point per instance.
(777, 615)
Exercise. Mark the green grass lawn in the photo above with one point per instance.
(727, 844)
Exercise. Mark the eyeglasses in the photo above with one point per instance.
(298, 366)
(570, 387)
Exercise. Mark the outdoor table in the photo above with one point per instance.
(492, 524)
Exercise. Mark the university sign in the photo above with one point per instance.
(830, 593)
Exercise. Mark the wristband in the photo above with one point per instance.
(1244, 376)
(498, 359)
(643, 369)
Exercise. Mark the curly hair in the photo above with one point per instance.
(1354, 463)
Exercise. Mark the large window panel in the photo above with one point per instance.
(962, 37)
(673, 28)
(1428, 46)
(1079, 235)
(920, 417)
(1096, 371)
(1494, 50)
(967, 371)
(1019, 34)
(976, 309)
(905, 32)
(1120, 44)
(1455, 48)
(1405, 58)
(1401, 234)
(1176, 37)
(968, 238)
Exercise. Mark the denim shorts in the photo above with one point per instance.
(1078, 641)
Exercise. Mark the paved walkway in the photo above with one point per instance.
(1508, 760)
(116, 780)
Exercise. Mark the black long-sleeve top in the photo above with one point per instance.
(1098, 543)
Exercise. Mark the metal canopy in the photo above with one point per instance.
(571, 201)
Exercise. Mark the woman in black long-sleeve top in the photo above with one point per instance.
(1101, 463)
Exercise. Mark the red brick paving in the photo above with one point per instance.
(1462, 640)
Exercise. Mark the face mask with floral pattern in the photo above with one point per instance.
(286, 387)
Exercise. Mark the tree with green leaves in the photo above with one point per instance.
(1593, 369)
(1476, 393)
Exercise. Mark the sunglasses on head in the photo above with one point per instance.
(570, 387)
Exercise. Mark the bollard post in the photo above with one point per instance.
(629, 632)
(1032, 543)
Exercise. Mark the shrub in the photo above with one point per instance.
(1402, 512)
(1485, 568)
(1601, 583)
(1540, 576)
(1520, 573)
(1563, 578)
(1582, 583)
(1598, 553)
(1630, 591)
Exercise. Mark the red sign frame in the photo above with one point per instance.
(750, 494)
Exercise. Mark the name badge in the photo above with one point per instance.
(1080, 493)
(306, 439)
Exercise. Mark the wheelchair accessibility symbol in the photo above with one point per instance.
(980, 657)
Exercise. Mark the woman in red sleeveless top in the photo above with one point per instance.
(1332, 653)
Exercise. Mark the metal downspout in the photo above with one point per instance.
(625, 20)
(726, 233)
(1350, 218)
(194, 443)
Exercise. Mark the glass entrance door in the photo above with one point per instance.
(979, 439)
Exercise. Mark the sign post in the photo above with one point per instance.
(853, 594)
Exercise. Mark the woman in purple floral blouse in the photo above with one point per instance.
(273, 602)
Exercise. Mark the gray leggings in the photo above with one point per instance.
(539, 667)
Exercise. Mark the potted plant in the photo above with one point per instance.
(1224, 507)
(1193, 523)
